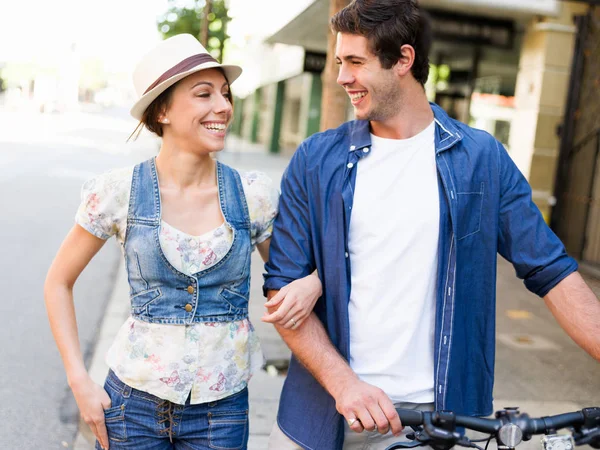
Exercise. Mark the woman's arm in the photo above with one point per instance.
(295, 301)
(76, 251)
(263, 249)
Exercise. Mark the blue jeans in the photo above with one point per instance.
(141, 421)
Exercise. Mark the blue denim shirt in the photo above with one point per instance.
(159, 293)
(485, 209)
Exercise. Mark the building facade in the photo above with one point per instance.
(504, 67)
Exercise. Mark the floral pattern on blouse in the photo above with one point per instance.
(208, 361)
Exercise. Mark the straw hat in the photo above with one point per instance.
(167, 63)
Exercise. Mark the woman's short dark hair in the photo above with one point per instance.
(159, 105)
(388, 25)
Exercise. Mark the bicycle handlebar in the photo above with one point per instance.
(438, 428)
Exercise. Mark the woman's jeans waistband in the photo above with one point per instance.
(139, 420)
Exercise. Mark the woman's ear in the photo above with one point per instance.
(162, 118)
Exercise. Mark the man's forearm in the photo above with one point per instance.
(313, 348)
(577, 310)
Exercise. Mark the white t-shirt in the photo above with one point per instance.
(393, 246)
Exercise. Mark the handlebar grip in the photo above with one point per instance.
(410, 417)
(562, 421)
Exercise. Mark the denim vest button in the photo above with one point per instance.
(190, 289)
(188, 307)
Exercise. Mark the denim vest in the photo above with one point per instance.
(159, 293)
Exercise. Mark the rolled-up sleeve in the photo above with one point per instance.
(524, 239)
(290, 255)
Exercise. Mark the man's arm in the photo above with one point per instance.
(577, 310)
(540, 259)
(291, 257)
(354, 398)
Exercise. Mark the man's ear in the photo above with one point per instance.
(406, 60)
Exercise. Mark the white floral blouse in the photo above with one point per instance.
(207, 360)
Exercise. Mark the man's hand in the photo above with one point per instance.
(366, 407)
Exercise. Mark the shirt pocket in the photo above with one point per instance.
(470, 205)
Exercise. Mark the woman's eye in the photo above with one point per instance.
(203, 95)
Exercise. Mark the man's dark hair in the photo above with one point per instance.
(388, 25)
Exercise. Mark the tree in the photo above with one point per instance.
(334, 100)
(190, 18)
(204, 24)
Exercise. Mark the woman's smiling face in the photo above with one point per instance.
(199, 111)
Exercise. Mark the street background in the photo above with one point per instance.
(526, 71)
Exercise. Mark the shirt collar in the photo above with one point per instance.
(446, 132)
(360, 135)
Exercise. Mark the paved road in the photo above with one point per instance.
(44, 159)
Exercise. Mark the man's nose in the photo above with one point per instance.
(344, 76)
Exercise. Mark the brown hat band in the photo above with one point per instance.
(183, 66)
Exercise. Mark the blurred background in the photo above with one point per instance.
(526, 71)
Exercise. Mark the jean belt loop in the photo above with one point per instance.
(126, 391)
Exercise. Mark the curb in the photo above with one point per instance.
(116, 312)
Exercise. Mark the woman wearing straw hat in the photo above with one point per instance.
(187, 224)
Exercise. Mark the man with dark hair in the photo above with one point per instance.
(402, 212)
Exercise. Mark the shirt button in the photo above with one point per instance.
(346, 254)
(352, 147)
(350, 166)
(190, 289)
(366, 150)
(188, 307)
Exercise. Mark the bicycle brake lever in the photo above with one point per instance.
(399, 445)
(439, 434)
(588, 437)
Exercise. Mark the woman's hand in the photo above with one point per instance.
(294, 302)
(77, 250)
(92, 400)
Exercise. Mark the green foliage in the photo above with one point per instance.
(187, 17)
